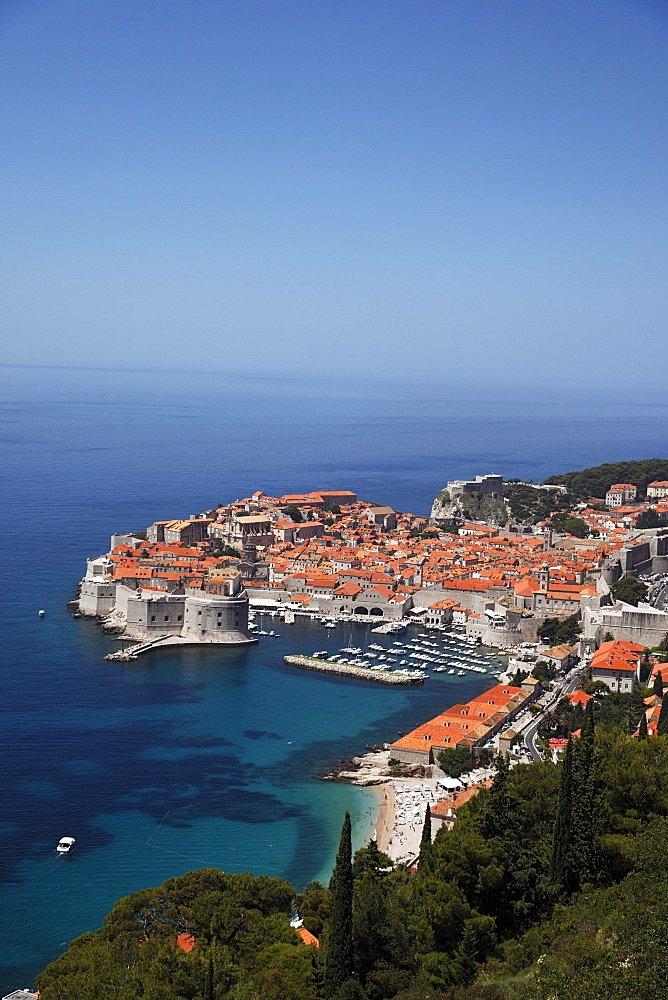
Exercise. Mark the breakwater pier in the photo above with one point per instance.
(364, 674)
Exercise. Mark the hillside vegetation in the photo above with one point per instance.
(552, 884)
(596, 481)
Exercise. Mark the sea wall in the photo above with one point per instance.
(310, 663)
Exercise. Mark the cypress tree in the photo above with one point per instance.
(208, 985)
(642, 730)
(425, 843)
(339, 957)
(662, 724)
(562, 865)
(657, 687)
(584, 802)
(426, 829)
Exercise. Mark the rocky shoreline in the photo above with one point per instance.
(372, 768)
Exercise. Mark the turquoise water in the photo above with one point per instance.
(188, 758)
(209, 757)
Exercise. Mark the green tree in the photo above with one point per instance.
(518, 677)
(544, 671)
(642, 730)
(426, 829)
(425, 842)
(339, 953)
(294, 513)
(586, 821)
(370, 859)
(497, 815)
(558, 630)
(649, 519)
(657, 687)
(629, 590)
(563, 866)
(662, 724)
(455, 760)
(209, 993)
(596, 482)
(567, 524)
(313, 907)
(350, 990)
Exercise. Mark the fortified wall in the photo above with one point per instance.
(218, 615)
(650, 556)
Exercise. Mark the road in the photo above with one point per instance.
(569, 684)
(660, 598)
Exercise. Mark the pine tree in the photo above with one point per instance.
(657, 687)
(662, 724)
(642, 730)
(339, 956)
(351, 990)
(562, 866)
(497, 816)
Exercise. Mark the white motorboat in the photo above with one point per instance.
(65, 845)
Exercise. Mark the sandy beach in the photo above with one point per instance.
(385, 821)
(402, 814)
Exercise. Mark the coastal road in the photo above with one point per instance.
(569, 684)
(660, 598)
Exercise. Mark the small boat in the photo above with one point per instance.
(41, 613)
(65, 845)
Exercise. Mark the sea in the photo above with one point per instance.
(202, 757)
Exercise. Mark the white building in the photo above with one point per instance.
(620, 494)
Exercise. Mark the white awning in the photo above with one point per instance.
(449, 782)
(259, 602)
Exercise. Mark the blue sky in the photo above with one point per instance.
(433, 187)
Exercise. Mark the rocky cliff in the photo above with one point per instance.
(467, 507)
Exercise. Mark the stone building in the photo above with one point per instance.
(240, 530)
(643, 624)
(489, 485)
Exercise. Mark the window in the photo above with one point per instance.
(179, 618)
(152, 618)
(166, 618)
